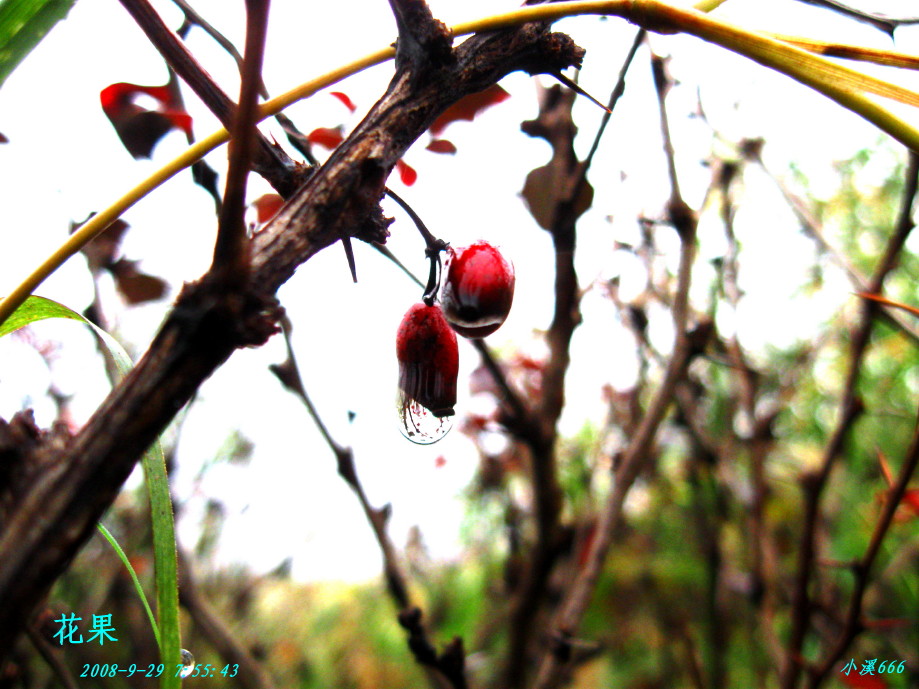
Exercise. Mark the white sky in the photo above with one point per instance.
(64, 161)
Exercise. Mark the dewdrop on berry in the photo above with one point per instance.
(428, 369)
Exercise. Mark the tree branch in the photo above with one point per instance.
(270, 161)
(69, 484)
(853, 622)
(252, 675)
(876, 19)
(813, 483)
(686, 345)
(231, 259)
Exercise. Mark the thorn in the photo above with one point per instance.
(349, 254)
(577, 89)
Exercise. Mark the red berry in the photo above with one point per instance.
(478, 290)
(428, 359)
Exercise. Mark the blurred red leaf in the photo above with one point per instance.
(140, 563)
(138, 127)
(327, 137)
(888, 623)
(344, 99)
(441, 146)
(863, 681)
(136, 287)
(3, 139)
(406, 173)
(911, 500)
(267, 206)
(468, 107)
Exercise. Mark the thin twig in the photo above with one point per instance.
(876, 19)
(294, 135)
(687, 343)
(270, 160)
(289, 375)
(760, 439)
(252, 674)
(853, 622)
(446, 667)
(57, 665)
(230, 255)
(813, 483)
(614, 96)
(811, 227)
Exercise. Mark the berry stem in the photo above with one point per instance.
(433, 277)
(432, 242)
(433, 247)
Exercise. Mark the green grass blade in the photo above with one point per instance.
(165, 563)
(23, 23)
(107, 535)
(164, 543)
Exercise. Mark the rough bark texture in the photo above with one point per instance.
(53, 489)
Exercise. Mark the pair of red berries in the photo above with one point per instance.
(475, 298)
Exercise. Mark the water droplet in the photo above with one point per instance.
(188, 664)
(419, 425)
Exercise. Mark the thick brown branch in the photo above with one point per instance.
(424, 43)
(56, 511)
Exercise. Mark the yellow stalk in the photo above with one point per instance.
(841, 84)
(888, 58)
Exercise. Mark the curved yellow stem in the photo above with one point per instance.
(842, 84)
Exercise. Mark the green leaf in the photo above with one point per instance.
(164, 543)
(107, 535)
(23, 23)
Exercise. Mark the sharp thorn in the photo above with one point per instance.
(577, 89)
(349, 254)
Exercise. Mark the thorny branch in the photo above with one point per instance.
(65, 484)
(879, 21)
(450, 665)
(288, 373)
